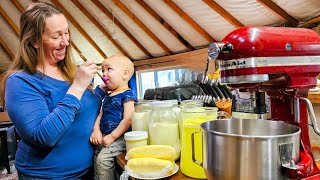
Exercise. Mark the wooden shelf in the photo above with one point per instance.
(314, 97)
(4, 117)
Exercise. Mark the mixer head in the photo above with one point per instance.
(268, 58)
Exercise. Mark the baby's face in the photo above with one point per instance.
(113, 73)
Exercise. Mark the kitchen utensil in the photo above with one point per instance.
(246, 149)
(85, 59)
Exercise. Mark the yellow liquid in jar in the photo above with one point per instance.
(188, 167)
(191, 125)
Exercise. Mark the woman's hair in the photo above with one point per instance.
(32, 24)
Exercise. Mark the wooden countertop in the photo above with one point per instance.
(178, 176)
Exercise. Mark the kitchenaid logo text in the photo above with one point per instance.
(254, 62)
(232, 64)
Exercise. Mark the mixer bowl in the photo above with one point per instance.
(246, 149)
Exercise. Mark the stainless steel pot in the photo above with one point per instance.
(244, 149)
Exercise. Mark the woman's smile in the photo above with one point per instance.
(61, 51)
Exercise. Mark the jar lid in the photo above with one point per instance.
(161, 104)
(136, 135)
(172, 101)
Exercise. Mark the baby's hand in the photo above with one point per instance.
(107, 140)
(104, 87)
(96, 137)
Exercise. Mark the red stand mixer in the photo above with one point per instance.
(284, 63)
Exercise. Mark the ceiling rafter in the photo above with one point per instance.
(99, 26)
(81, 54)
(278, 10)
(312, 21)
(6, 48)
(17, 5)
(164, 23)
(123, 29)
(80, 29)
(188, 19)
(9, 21)
(13, 27)
(220, 10)
(141, 25)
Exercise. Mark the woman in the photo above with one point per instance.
(48, 99)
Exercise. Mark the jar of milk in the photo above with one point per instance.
(140, 117)
(163, 126)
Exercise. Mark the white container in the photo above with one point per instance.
(135, 139)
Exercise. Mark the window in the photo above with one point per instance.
(155, 79)
(165, 78)
(146, 82)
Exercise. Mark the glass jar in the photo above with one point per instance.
(142, 105)
(191, 120)
(140, 117)
(176, 109)
(163, 126)
(189, 104)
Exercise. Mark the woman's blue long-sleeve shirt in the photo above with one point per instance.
(55, 127)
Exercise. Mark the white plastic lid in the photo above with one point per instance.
(135, 135)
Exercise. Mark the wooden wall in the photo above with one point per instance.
(195, 60)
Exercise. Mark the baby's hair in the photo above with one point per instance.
(125, 62)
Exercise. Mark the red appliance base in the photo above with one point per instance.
(314, 177)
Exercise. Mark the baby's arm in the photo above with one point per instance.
(123, 126)
(96, 135)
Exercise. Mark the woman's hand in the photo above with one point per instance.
(85, 74)
(96, 137)
(83, 78)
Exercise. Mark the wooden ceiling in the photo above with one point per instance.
(156, 33)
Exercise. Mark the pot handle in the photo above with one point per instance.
(295, 170)
(223, 115)
(302, 168)
(285, 151)
(193, 149)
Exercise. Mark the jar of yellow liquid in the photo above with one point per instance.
(191, 120)
(163, 126)
(187, 104)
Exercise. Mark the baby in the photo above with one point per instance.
(115, 115)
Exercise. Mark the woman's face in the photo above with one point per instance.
(55, 38)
